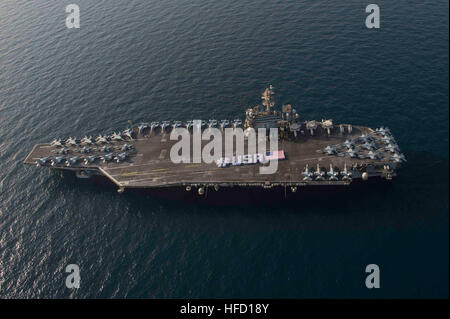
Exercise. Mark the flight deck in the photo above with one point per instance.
(148, 163)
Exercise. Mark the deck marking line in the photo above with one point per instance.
(128, 174)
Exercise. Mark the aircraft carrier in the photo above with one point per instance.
(310, 153)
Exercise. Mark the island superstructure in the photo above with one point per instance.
(315, 153)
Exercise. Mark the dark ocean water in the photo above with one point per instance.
(176, 59)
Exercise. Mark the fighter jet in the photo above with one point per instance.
(391, 148)
(199, 124)
(346, 174)
(177, 124)
(71, 141)
(189, 124)
(57, 160)
(352, 153)
(373, 155)
(154, 126)
(116, 137)
(368, 146)
(42, 161)
(398, 158)
(388, 139)
(85, 150)
(348, 144)
(128, 133)
(90, 159)
(56, 143)
(237, 123)
(62, 151)
(332, 175)
(72, 161)
(328, 125)
(121, 157)
(365, 138)
(329, 150)
(107, 158)
(382, 131)
(307, 175)
(165, 125)
(126, 147)
(101, 140)
(142, 127)
(224, 124)
(319, 174)
(86, 140)
(212, 123)
(311, 126)
(105, 149)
